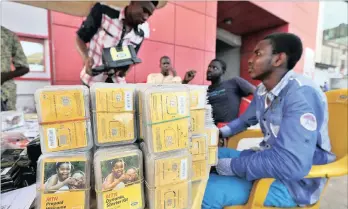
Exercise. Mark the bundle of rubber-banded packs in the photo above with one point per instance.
(134, 145)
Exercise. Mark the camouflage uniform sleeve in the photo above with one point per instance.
(18, 57)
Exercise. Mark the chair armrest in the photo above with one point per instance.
(259, 193)
(251, 133)
(334, 169)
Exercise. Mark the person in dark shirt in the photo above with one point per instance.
(225, 96)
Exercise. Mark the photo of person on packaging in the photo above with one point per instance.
(122, 173)
(64, 176)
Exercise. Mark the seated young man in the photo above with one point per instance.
(168, 74)
(293, 115)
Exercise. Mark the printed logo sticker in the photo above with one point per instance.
(308, 121)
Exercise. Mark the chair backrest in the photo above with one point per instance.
(338, 121)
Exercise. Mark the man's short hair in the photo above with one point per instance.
(154, 3)
(222, 63)
(164, 57)
(288, 43)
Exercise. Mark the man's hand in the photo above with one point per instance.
(88, 65)
(173, 71)
(189, 76)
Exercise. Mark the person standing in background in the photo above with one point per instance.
(166, 70)
(225, 96)
(325, 87)
(11, 52)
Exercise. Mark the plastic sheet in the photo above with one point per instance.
(64, 118)
(113, 113)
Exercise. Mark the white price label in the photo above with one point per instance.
(128, 106)
(201, 100)
(183, 169)
(213, 138)
(52, 138)
(182, 105)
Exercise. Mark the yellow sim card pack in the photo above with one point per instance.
(198, 121)
(212, 135)
(119, 177)
(64, 118)
(213, 155)
(168, 178)
(114, 113)
(167, 119)
(199, 151)
(199, 147)
(177, 196)
(198, 97)
(64, 180)
(199, 170)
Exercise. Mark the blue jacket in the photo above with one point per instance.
(295, 126)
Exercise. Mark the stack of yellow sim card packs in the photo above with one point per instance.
(119, 177)
(113, 113)
(168, 179)
(212, 135)
(165, 117)
(64, 118)
(199, 151)
(63, 180)
(139, 108)
(198, 100)
(199, 141)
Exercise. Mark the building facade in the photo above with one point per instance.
(332, 45)
(190, 33)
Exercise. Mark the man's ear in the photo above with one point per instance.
(279, 59)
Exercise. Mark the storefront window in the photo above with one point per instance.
(35, 51)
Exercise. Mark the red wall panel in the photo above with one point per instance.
(198, 6)
(189, 28)
(188, 58)
(67, 62)
(210, 34)
(66, 20)
(211, 8)
(161, 30)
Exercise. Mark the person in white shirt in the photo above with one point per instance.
(168, 74)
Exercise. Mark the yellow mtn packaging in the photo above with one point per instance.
(165, 117)
(197, 121)
(139, 108)
(168, 179)
(63, 180)
(198, 100)
(199, 152)
(64, 118)
(113, 113)
(198, 189)
(212, 136)
(119, 177)
(198, 96)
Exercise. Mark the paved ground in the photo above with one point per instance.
(335, 196)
